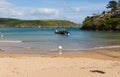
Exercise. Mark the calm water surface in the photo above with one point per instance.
(45, 38)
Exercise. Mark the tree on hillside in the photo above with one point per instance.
(113, 5)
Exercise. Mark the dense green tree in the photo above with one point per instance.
(113, 5)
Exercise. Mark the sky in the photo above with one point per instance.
(73, 10)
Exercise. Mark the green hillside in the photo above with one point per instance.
(106, 21)
(8, 22)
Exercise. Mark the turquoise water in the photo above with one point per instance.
(45, 38)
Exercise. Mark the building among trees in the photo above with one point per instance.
(118, 3)
(117, 12)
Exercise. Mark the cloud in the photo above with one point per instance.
(29, 13)
(8, 9)
(74, 13)
(86, 7)
(43, 11)
(78, 13)
(4, 4)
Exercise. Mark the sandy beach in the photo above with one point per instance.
(59, 38)
(101, 63)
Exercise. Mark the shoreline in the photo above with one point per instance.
(103, 54)
(98, 63)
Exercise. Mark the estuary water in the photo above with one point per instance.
(46, 39)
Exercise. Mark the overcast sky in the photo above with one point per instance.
(73, 10)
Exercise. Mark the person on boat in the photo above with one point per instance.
(56, 30)
(63, 28)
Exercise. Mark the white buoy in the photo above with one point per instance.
(60, 49)
(1, 35)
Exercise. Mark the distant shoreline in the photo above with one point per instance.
(9, 22)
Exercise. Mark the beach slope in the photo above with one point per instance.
(42, 66)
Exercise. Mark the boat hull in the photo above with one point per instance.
(62, 32)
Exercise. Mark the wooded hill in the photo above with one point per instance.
(106, 21)
(9, 22)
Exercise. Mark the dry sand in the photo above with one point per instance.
(101, 63)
